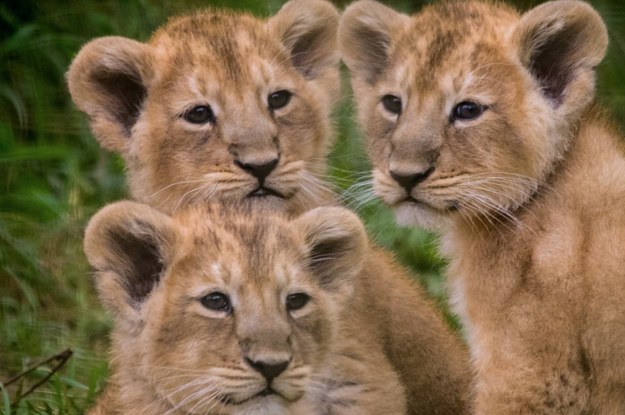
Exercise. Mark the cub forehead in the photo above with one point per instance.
(216, 40)
(235, 243)
(449, 46)
(209, 25)
(449, 33)
(234, 276)
(221, 58)
(449, 24)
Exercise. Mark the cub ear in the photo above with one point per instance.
(366, 31)
(337, 242)
(307, 29)
(109, 80)
(560, 43)
(129, 245)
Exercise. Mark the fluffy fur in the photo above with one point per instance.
(170, 355)
(528, 190)
(138, 97)
(173, 354)
(138, 94)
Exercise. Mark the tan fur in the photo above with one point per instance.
(136, 95)
(172, 355)
(171, 163)
(249, 253)
(529, 194)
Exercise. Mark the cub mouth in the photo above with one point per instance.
(412, 200)
(409, 200)
(265, 392)
(451, 207)
(262, 191)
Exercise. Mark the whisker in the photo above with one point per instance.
(153, 195)
(197, 383)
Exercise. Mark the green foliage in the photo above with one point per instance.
(53, 177)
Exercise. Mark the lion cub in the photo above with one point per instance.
(223, 106)
(218, 105)
(223, 311)
(480, 121)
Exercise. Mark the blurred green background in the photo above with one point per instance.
(53, 177)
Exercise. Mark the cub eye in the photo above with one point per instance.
(467, 110)
(392, 104)
(217, 301)
(199, 115)
(296, 301)
(279, 99)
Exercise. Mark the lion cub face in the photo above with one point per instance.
(222, 313)
(218, 105)
(468, 106)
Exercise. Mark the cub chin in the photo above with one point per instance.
(481, 122)
(224, 311)
(218, 105)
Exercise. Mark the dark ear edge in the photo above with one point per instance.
(109, 81)
(366, 32)
(337, 242)
(143, 259)
(128, 245)
(127, 93)
(307, 29)
(557, 39)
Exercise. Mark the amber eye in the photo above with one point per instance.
(217, 301)
(296, 301)
(279, 99)
(199, 115)
(392, 104)
(467, 110)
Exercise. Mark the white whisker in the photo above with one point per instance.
(180, 183)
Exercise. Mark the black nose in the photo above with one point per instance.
(410, 180)
(268, 370)
(259, 170)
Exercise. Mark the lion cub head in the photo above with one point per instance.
(218, 312)
(218, 105)
(468, 106)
